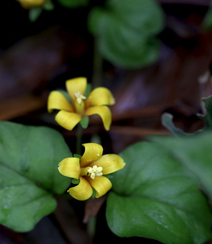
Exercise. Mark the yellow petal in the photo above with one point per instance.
(100, 96)
(56, 100)
(110, 163)
(101, 184)
(70, 167)
(82, 191)
(31, 3)
(67, 120)
(92, 152)
(76, 85)
(103, 112)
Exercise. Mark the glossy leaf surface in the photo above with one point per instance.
(194, 153)
(155, 197)
(29, 158)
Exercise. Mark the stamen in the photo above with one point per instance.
(79, 97)
(95, 171)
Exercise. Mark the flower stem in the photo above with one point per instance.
(79, 139)
(91, 226)
(97, 67)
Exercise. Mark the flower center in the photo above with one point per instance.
(93, 171)
(79, 97)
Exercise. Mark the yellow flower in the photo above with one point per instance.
(90, 170)
(71, 114)
(31, 3)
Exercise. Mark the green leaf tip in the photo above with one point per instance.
(34, 13)
(48, 5)
(84, 122)
(77, 156)
(75, 181)
(167, 122)
(94, 193)
(88, 90)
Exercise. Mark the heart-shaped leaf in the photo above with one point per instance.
(126, 31)
(29, 158)
(155, 197)
(125, 47)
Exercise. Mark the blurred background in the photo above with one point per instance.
(155, 58)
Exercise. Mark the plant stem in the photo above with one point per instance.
(91, 226)
(79, 139)
(97, 67)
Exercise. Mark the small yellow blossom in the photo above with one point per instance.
(31, 3)
(90, 170)
(71, 114)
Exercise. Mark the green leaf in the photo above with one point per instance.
(126, 31)
(93, 194)
(77, 156)
(75, 181)
(34, 13)
(84, 122)
(168, 123)
(208, 113)
(145, 15)
(194, 152)
(88, 90)
(95, 20)
(155, 197)
(126, 48)
(29, 158)
(74, 3)
(48, 5)
(207, 21)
